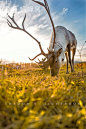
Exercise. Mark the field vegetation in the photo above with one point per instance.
(31, 99)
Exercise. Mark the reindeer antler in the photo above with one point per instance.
(35, 57)
(43, 63)
(48, 11)
(23, 29)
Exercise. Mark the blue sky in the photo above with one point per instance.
(17, 46)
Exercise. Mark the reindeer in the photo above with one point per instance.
(62, 43)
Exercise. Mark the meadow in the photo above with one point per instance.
(32, 99)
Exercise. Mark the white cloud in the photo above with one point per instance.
(58, 16)
(64, 11)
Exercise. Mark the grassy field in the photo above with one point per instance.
(31, 99)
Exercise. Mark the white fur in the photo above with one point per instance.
(61, 41)
(63, 38)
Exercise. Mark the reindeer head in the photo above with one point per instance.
(54, 61)
(52, 58)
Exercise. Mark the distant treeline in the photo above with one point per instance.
(20, 65)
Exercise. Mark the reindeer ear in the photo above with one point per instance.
(59, 52)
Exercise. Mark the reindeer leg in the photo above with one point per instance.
(73, 54)
(66, 54)
(69, 54)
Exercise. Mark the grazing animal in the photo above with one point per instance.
(62, 43)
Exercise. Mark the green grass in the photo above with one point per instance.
(31, 99)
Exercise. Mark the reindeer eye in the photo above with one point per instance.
(62, 59)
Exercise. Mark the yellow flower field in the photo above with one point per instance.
(31, 99)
